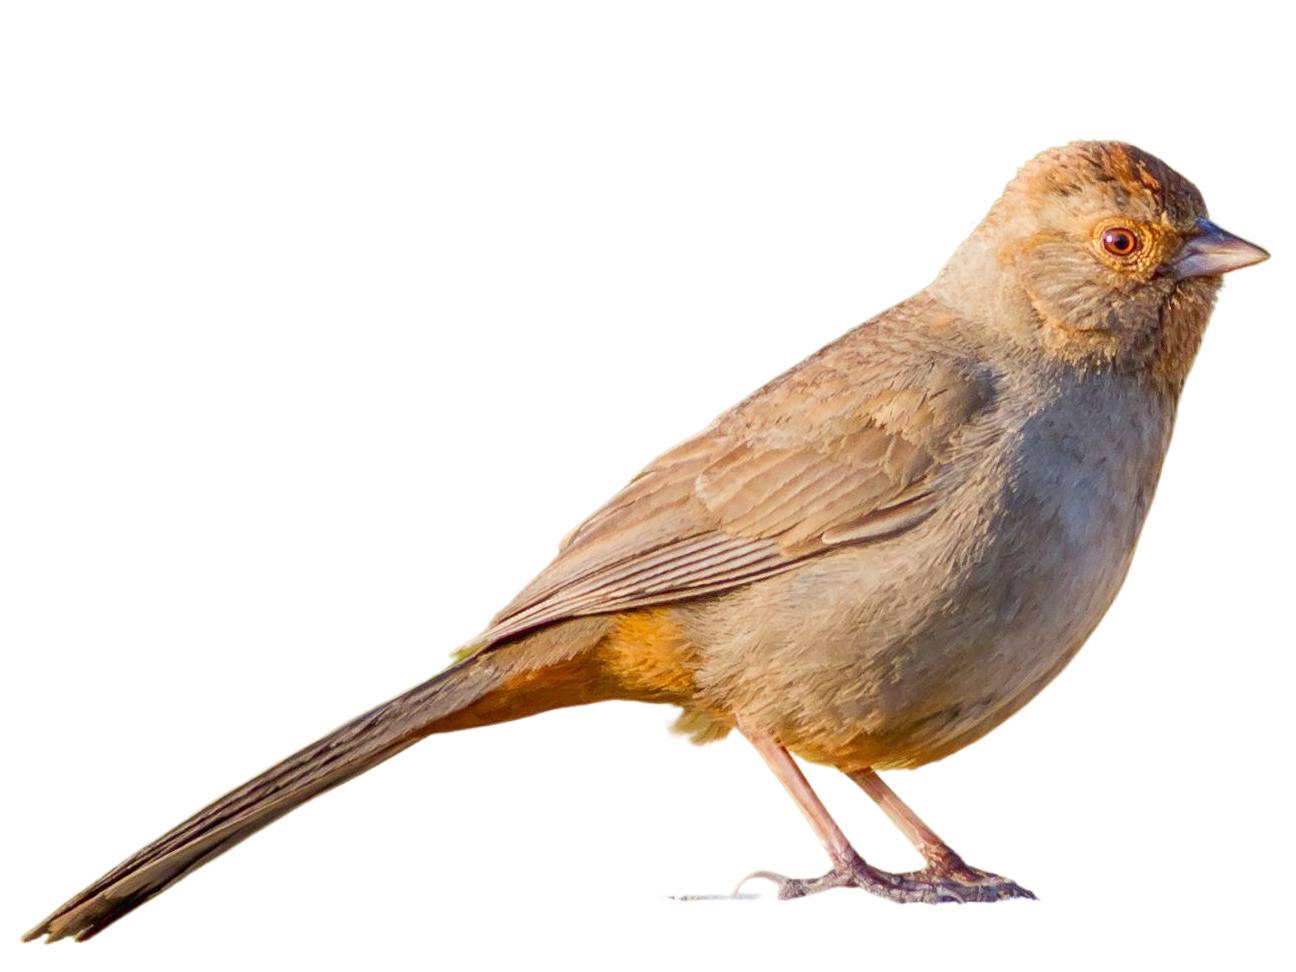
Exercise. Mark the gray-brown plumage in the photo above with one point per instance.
(870, 562)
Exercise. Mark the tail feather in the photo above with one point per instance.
(357, 746)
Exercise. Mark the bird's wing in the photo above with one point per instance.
(850, 446)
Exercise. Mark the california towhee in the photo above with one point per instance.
(872, 561)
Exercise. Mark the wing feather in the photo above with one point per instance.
(841, 450)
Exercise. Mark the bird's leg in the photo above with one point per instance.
(942, 862)
(956, 882)
(940, 857)
(849, 869)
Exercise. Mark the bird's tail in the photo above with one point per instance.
(486, 688)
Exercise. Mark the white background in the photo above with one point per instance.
(322, 324)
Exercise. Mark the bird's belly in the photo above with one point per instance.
(954, 627)
(1005, 630)
(987, 644)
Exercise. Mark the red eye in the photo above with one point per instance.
(1120, 241)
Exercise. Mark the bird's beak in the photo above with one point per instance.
(1212, 251)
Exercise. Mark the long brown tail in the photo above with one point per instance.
(444, 702)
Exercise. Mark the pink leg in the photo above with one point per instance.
(789, 774)
(946, 879)
(938, 854)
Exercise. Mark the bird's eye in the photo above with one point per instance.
(1120, 241)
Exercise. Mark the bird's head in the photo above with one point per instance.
(1100, 254)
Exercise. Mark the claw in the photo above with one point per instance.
(929, 886)
(777, 878)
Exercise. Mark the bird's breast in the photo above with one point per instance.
(1039, 558)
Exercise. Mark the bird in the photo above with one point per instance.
(870, 562)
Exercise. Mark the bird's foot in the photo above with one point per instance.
(944, 881)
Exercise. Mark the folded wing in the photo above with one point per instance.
(831, 453)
